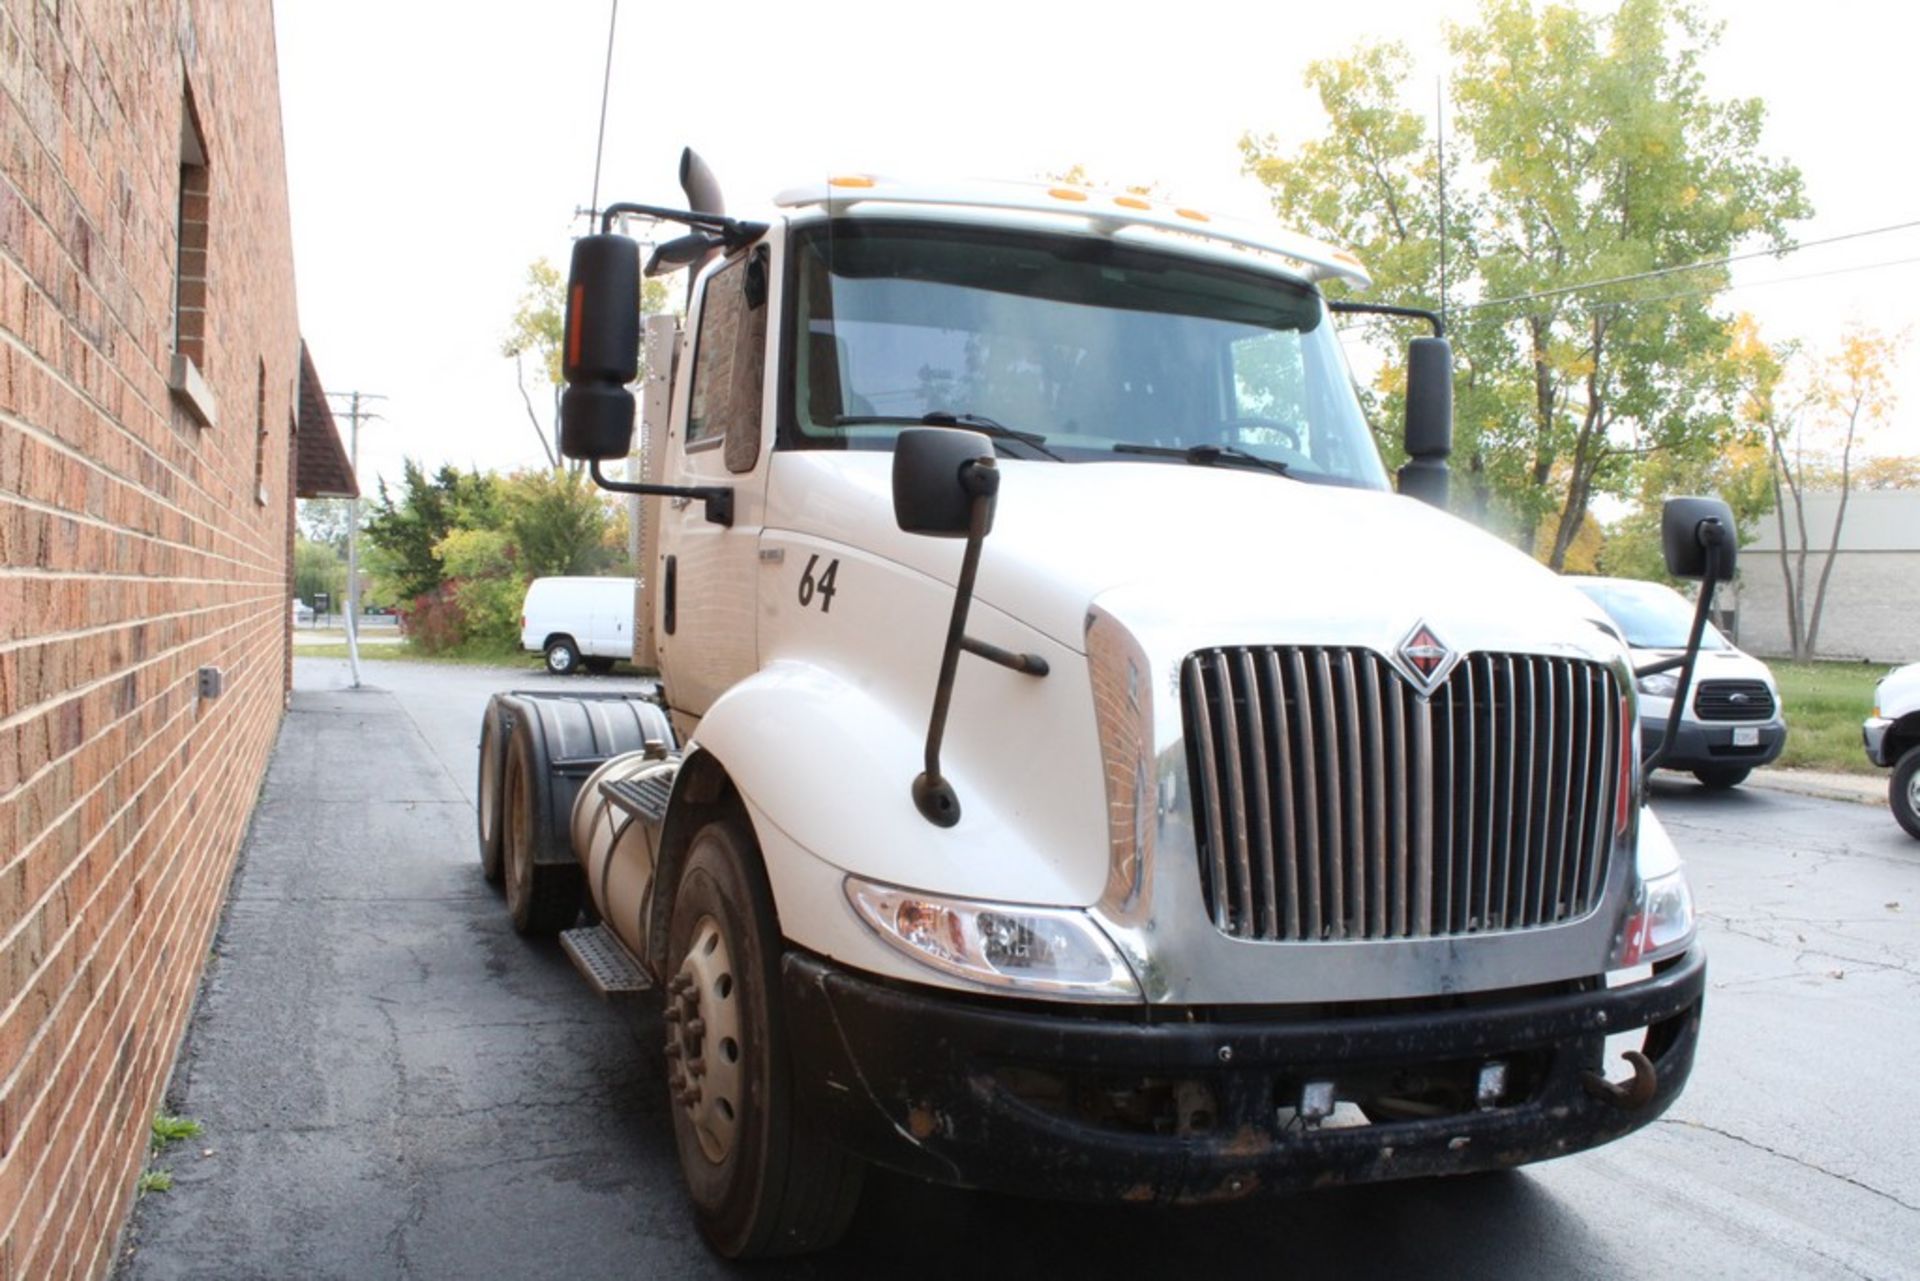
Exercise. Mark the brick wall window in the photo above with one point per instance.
(187, 377)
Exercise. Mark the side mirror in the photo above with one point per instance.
(1429, 429)
(1699, 539)
(600, 352)
(937, 474)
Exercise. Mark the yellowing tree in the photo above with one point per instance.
(1585, 153)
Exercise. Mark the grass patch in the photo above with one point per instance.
(1825, 703)
(155, 1181)
(405, 652)
(171, 1129)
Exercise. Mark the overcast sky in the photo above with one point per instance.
(434, 150)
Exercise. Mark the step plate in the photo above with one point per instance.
(646, 798)
(603, 960)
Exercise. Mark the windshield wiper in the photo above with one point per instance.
(967, 422)
(1207, 455)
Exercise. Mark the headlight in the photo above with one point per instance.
(1660, 684)
(1661, 922)
(1034, 949)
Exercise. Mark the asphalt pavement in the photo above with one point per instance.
(393, 1084)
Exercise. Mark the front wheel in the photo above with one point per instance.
(1903, 792)
(763, 1178)
(1719, 778)
(563, 656)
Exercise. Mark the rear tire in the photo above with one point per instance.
(563, 656)
(542, 897)
(1718, 778)
(487, 788)
(764, 1178)
(1903, 792)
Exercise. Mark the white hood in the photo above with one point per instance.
(1196, 556)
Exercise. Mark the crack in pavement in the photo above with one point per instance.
(1743, 1140)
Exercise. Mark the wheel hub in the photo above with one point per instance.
(703, 1040)
(1913, 793)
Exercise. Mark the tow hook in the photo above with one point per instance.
(1629, 1096)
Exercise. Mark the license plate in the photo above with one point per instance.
(1749, 737)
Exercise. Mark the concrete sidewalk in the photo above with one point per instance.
(391, 1083)
(1863, 789)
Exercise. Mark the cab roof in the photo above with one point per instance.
(1101, 212)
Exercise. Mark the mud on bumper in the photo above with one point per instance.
(1099, 1108)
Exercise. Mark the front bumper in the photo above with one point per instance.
(1101, 1107)
(1873, 734)
(1711, 743)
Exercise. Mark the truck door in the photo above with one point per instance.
(704, 611)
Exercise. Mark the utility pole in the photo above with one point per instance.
(354, 416)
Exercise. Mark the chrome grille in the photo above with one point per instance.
(1733, 701)
(1331, 801)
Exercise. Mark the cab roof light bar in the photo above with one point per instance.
(1103, 211)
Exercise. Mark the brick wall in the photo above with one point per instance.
(135, 548)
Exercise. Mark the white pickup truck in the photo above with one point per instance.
(1892, 737)
(1077, 772)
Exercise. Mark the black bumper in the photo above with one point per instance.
(1700, 745)
(965, 1094)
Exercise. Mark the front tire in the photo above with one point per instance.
(764, 1179)
(1903, 792)
(1718, 778)
(563, 656)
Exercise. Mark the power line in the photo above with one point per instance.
(1656, 273)
(1777, 280)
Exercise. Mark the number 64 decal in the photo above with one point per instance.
(821, 586)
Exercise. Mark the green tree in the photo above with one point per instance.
(318, 567)
(558, 521)
(406, 530)
(484, 576)
(1587, 150)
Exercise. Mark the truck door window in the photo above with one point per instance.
(729, 360)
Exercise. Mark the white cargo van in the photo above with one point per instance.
(578, 622)
(1733, 722)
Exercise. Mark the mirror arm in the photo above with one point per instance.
(933, 795)
(1351, 307)
(718, 498)
(1027, 664)
(1711, 534)
(734, 232)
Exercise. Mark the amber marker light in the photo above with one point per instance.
(850, 180)
(1066, 193)
(1193, 215)
(573, 330)
(1132, 202)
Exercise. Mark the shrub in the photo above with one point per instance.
(434, 620)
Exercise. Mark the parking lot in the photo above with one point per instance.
(393, 1084)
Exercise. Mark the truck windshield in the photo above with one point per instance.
(1083, 343)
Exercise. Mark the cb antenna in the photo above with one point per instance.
(606, 83)
(1440, 143)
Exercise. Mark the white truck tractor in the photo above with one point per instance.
(1076, 771)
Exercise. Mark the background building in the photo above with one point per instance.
(1873, 599)
(150, 389)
